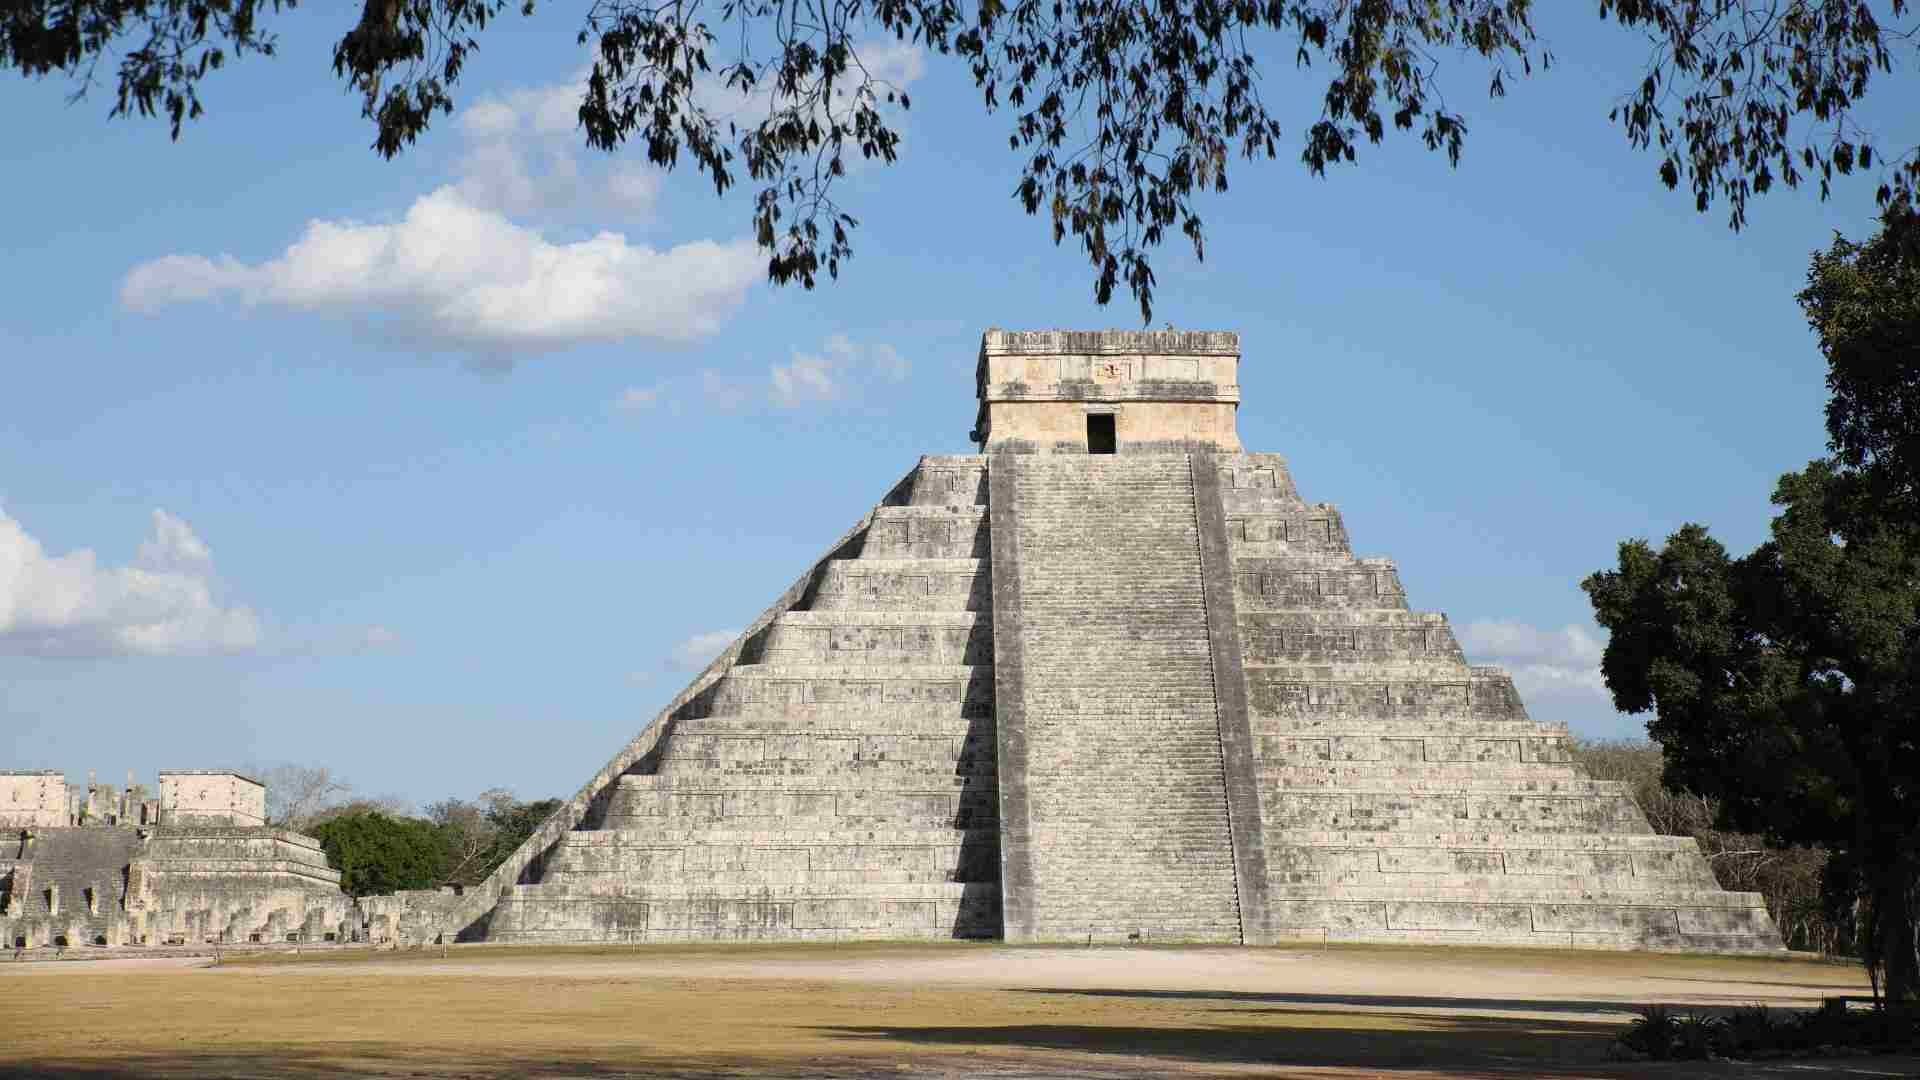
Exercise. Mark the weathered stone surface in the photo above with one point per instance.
(834, 778)
(1126, 823)
(1055, 695)
(112, 884)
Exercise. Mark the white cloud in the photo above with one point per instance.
(163, 604)
(807, 379)
(638, 398)
(826, 374)
(452, 274)
(1563, 661)
(723, 392)
(699, 650)
(524, 156)
(468, 266)
(889, 364)
(379, 639)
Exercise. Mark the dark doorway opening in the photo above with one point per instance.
(1100, 438)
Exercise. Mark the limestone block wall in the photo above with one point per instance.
(139, 886)
(1113, 786)
(834, 780)
(1407, 796)
(31, 799)
(211, 797)
(235, 886)
(1164, 389)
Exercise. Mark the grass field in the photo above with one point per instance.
(481, 1012)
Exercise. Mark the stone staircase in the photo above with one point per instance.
(1120, 827)
(1408, 796)
(838, 781)
(74, 886)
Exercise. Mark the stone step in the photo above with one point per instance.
(1359, 669)
(1308, 749)
(962, 713)
(927, 532)
(865, 637)
(749, 801)
(1481, 886)
(949, 480)
(1411, 840)
(592, 887)
(777, 835)
(1668, 897)
(528, 915)
(1750, 942)
(904, 585)
(1316, 582)
(828, 722)
(852, 685)
(910, 777)
(1397, 812)
(1455, 727)
(1308, 529)
(1385, 783)
(946, 750)
(748, 880)
(892, 772)
(1529, 861)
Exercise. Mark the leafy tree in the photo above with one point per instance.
(377, 852)
(1119, 112)
(1786, 683)
(480, 834)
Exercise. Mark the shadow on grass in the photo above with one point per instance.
(1534, 1047)
(1621, 1007)
(389, 1061)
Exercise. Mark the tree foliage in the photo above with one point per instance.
(1120, 112)
(1785, 684)
(382, 853)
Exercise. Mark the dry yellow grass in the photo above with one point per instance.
(833, 1011)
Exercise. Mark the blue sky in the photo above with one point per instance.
(466, 521)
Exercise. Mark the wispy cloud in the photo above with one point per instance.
(1542, 661)
(839, 370)
(699, 650)
(638, 398)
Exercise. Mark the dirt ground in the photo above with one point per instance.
(842, 1011)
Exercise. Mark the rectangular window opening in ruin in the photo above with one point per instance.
(1100, 435)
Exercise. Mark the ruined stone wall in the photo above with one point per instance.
(211, 798)
(1114, 803)
(30, 799)
(110, 885)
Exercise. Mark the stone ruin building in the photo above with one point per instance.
(1110, 679)
(197, 864)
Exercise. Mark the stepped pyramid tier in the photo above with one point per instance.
(1111, 678)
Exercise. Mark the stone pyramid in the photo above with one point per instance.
(1110, 679)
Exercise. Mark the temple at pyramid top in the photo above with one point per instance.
(1108, 391)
